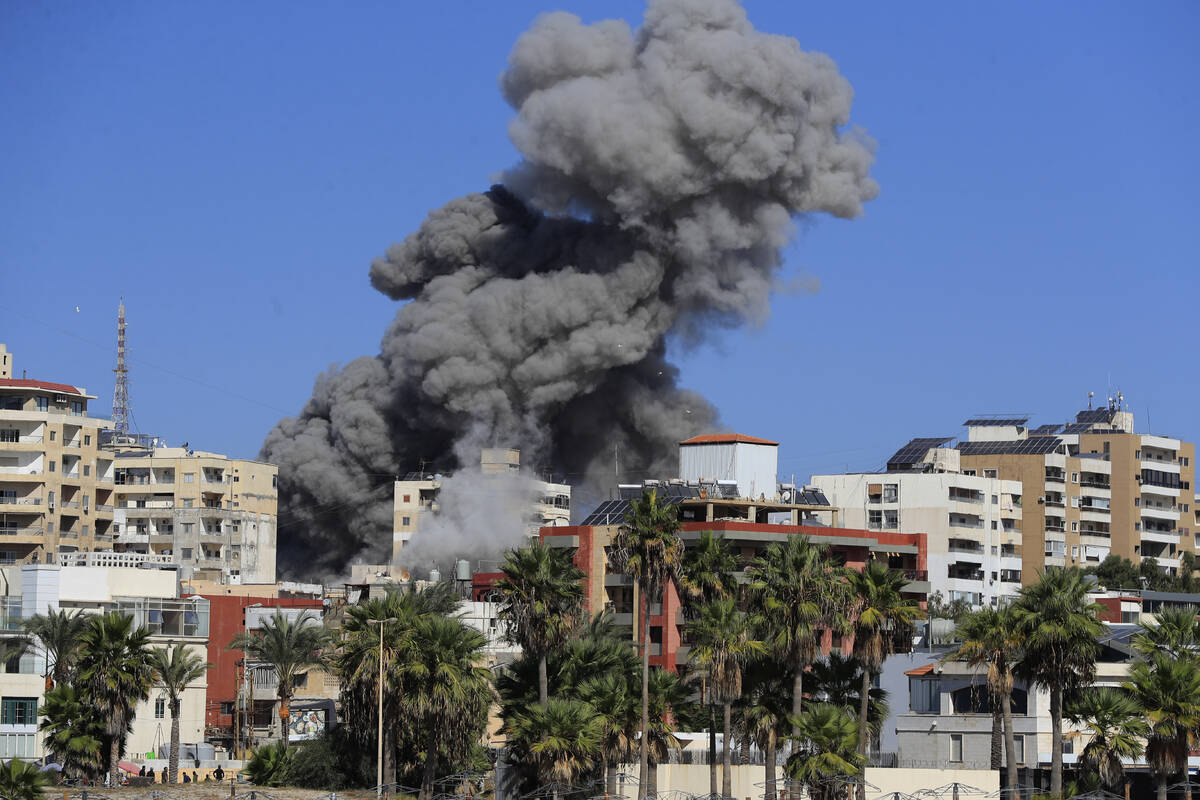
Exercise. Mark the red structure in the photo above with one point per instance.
(227, 619)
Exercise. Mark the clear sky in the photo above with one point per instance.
(231, 169)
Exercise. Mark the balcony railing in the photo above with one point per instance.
(12, 531)
(21, 440)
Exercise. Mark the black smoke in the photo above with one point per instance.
(662, 170)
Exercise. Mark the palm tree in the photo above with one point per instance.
(827, 752)
(541, 594)
(291, 646)
(612, 702)
(721, 645)
(451, 690)
(175, 668)
(21, 780)
(1115, 724)
(58, 633)
(1059, 628)
(668, 701)
(801, 592)
(989, 638)
(1167, 690)
(884, 617)
(74, 732)
(652, 552)
(837, 680)
(1175, 633)
(560, 738)
(115, 671)
(706, 572)
(764, 714)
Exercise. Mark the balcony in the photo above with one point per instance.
(1056, 476)
(1160, 512)
(21, 443)
(1160, 465)
(1161, 537)
(958, 521)
(17, 473)
(961, 546)
(1098, 482)
(34, 532)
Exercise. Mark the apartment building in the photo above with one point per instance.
(1093, 487)
(213, 515)
(418, 497)
(56, 483)
(149, 595)
(972, 524)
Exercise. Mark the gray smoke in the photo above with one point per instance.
(661, 173)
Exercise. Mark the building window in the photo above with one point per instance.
(187, 526)
(925, 695)
(187, 502)
(52, 466)
(956, 748)
(43, 404)
(189, 477)
(1074, 526)
(1074, 477)
(405, 521)
(891, 493)
(989, 473)
(1019, 749)
(227, 709)
(87, 470)
(53, 435)
(87, 440)
(18, 711)
(185, 552)
(407, 498)
(875, 519)
(891, 519)
(160, 708)
(1074, 552)
(1137, 453)
(76, 408)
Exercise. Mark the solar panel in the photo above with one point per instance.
(1077, 427)
(1035, 445)
(1046, 430)
(915, 450)
(1095, 415)
(983, 422)
(614, 512)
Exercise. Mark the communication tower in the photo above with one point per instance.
(120, 406)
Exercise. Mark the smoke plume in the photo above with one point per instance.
(661, 172)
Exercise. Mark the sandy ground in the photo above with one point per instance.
(204, 792)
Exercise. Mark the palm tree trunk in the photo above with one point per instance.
(726, 752)
(644, 744)
(1010, 740)
(769, 761)
(997, 756)
(285, 715)
(863, 700)
(430, 771)
(797, 697)
(712, 749)
(743, 748)
(173, 763)
(610, 780)
(604, 768)
(1056, 743)
(1162, 786)
(389, 756)
(114, 755)
(652, 780)
(543, 681)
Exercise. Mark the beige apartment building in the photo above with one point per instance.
(1092, 487)
(56, 483)
(212, 514)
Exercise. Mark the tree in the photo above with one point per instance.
(884, 617)
(989, 638)
(721, 645)
(614, 708)
(1059, 629)
(1114, 722)
(269, 764)
(450, 693)
(668, 701)
(58, 633)
(827, 752)
(540, 597)
(1115, 572)
(115, 671)
(652, 552)
(74, 732)
(1175, 633)
(1187, 572)
(802, 593)
(1168, 692)
(765, 713)
(175, 668)
(837, 680)
(21, 780)
(560, 738)
(291, 646)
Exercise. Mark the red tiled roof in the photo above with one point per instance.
(925, 670)
(22, 383)
(727, 438)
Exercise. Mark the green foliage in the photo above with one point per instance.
(561, 739)
(74, 732)
(269, 764)
(21, 780)
(59, 634)
(1113, 721)
(1167, 690)
(826, 750)
(1115, 572)
(707, 571)
(330, 763)
(837, 680)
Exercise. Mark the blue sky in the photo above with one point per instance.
(231, 169)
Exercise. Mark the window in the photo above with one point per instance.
(875, 519)
(994, 525)
(87, 439)
(52, 465)
(408, 498)
(1074, 477)
(50, 498)
(989, 473)
(53, 435)
(10, 435)
(968, 472)
(43, 404)
(995, 498)
(925, 695)
(406, 520)
(1019, 749)
(956, 750)
(18, 711)
(891, 493)
(185, 552)
(187, 502)
(274, 481)
(160, 708)
(76, 408)
(87, 470)
(1074, 526)
(1055, 549)
(891, 519)
(1137, 501)
(85, 530)
(187, 526)
(189, 477)
(227, 709)
(1075, 552)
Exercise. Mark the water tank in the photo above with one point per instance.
(462, 570)
(435, 575)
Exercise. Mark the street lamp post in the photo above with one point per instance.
(379, 752)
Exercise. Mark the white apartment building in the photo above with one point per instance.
(972, 523)
(149, 595)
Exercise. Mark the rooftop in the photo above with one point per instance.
(727, 438)
(46, 386)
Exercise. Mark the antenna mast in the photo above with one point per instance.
(120, 405)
